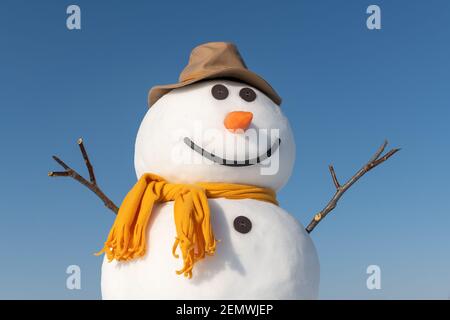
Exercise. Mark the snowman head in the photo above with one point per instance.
(216, 131)
(220, 123)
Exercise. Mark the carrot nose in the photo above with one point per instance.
(238, 120)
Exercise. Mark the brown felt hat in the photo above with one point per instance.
(215, 60)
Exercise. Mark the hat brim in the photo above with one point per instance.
(238, 74)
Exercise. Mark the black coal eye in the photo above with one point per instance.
(219, 91)
(247, 94)
(242, 224)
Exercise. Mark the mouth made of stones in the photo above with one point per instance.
(232, 163)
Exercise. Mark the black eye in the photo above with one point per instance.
(219, 91)
(247, 94)
(242, 224)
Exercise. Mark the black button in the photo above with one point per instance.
(219, 91)
(247, 94)
(242, 224)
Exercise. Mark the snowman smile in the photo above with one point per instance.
(232, 163)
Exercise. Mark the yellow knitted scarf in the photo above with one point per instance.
(195, 237)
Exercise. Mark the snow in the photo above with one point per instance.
(275, 260)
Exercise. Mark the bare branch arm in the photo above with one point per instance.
(91, 185)
(376, 159)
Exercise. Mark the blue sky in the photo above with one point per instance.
(345, 89)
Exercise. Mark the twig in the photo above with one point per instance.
(333, 175)
(86, 160)
(92, 185)
(58, 174)
(376, 159)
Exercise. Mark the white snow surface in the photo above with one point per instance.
(275, 260)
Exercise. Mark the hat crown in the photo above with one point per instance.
(211, 56)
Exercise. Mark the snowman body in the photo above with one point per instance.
(276, 259)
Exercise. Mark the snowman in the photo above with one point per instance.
(261, 251)
(203, 221)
